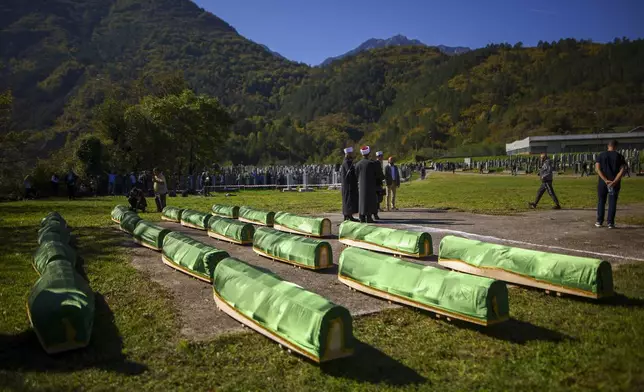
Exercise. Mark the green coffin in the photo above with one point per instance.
(306, 225)
(283, 311)
(293, 249)
(118, 212)
(52, 217)
(231, 230)
(172, 214)
(54, 231)
(570, 274)
(384, 239)
(51, 251)
(467, 297)
(191, 256)
(195, 219)
(258, 217)
(129, 221)
(61, 308)
(225, 211)
(150, 235)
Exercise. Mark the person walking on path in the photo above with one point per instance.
(392, 178)
(366, 173)
(610, 167)
(349, 182)
(160, 188)
(545, 172)
(380, 178)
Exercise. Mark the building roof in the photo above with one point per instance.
(524, 143)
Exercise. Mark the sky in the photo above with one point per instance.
(310, 31)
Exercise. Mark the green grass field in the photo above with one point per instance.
(551, 343)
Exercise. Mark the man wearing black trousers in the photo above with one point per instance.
(610, 166)
(545, 172)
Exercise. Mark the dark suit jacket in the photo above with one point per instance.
(389, 178)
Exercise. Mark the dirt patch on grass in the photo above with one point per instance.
(200, 318)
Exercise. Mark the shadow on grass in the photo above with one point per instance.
(23, 351)
(369, 364)
(521, 332)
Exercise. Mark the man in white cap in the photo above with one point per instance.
(366, 172)
(349, 186)
(380, 177)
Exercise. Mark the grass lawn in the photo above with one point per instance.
(551, 343)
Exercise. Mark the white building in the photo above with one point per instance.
(576, 143)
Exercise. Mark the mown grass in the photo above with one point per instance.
(551, 343)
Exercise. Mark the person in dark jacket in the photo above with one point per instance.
(545, 172)
(380, 178)
(392, 178)
(366, 173)
(349, 182)
(610, 167)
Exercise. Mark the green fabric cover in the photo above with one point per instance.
(233, 229)
(473, 296)
(292, 247)
(129, 221)
(118, 212)
(282, 307)
(191, 254)
(304, 224)
(226, 211)
(172, 213)
(52, 216)
(61, 308)
(54, 231)
(50, 251)
(592, 275)
(397, 240)
(195, 218)
(265, 218)
(150, 233)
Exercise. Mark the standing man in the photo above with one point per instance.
(54, 184)
(380, 177)
(349, 182)
(545, 172)
(392, 177)
(111, 183)
(160, 188)
(610, 167)
(70, 180)
(366, 173)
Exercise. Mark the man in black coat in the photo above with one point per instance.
(368, 200)
(380, 177)
(349, 186)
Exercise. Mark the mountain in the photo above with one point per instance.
(59, 56)
(60, 59)
(397, 40)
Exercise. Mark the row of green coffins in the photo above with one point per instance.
(61, 304)
(294, 317)
(283, 221)
(301, 251)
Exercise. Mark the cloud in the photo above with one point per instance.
(544, 12)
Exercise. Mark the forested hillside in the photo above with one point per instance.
(62, 59)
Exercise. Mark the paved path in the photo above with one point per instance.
(567, 231)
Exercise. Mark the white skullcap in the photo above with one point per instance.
(348, 150)
(364, 150)
(378, 153)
